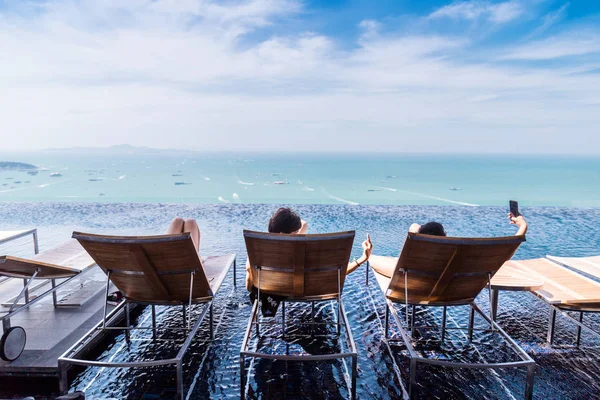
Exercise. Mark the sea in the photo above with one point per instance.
(380, 195)
(355, 179)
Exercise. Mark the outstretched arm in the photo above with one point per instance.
(367, 249)
(520, 222)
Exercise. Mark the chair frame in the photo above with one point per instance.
(109, 323)
(13, 304)
(554, 310)
(407, 330)
(341, 320)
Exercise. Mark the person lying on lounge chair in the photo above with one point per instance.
(285, 220)
(178, 225)
(385, 265)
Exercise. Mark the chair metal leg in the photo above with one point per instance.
(443, 323)
(179, 381)
(153, 322)
(494, 303)
(412, 390)
(210, 318)
(63, 382)
(387, 322)
(579, 329)
(26, 286)
(551, 326)
(530, 378)
(234, 272)
(412, 320)
(127, 321)
(354, 373)
(36, 246)
(242, 377)
(54, 295)
(339, 322)
(283, 319)
(471, 323)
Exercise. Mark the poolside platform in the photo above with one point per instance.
(52, 330)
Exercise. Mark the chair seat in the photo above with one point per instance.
(216, 268)
(384, 283)
(562, 287)
(64, 261)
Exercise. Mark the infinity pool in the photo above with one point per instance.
(211, 369)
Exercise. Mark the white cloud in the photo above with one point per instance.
(185, 74)
(476, 9)
(575, 43)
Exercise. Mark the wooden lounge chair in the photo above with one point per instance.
(563, 289)
(301, 268)
(64, 261)
(447, 271)
(151, 270)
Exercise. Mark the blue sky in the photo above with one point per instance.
(518, 76)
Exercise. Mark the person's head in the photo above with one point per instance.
(284, 220)
(432, 228)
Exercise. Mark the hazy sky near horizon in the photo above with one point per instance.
(292, 75)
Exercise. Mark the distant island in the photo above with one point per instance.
(16, 166)
(118, 149)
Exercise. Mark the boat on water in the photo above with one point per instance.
(55, 175)
(177, 175)
(455, 188)
(32, 172)
(182, 183)
(94, 179)
(280, 183)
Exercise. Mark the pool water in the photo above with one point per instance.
(211, 368)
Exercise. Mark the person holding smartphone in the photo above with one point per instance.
(516, 218)
(385, 265)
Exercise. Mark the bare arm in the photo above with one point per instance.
(248, 277)
(520, 222)
(303, 227)
(367, 249)
(384, 265)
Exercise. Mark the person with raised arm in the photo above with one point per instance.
(385, 265)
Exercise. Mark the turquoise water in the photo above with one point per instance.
(305, 179)
(211, 369)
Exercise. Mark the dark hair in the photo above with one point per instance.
(284, 220)
(432, 228)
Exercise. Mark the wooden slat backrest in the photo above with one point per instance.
(299, 265)
(446, 269)
(153, 269)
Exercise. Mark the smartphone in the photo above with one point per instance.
(514, 208)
